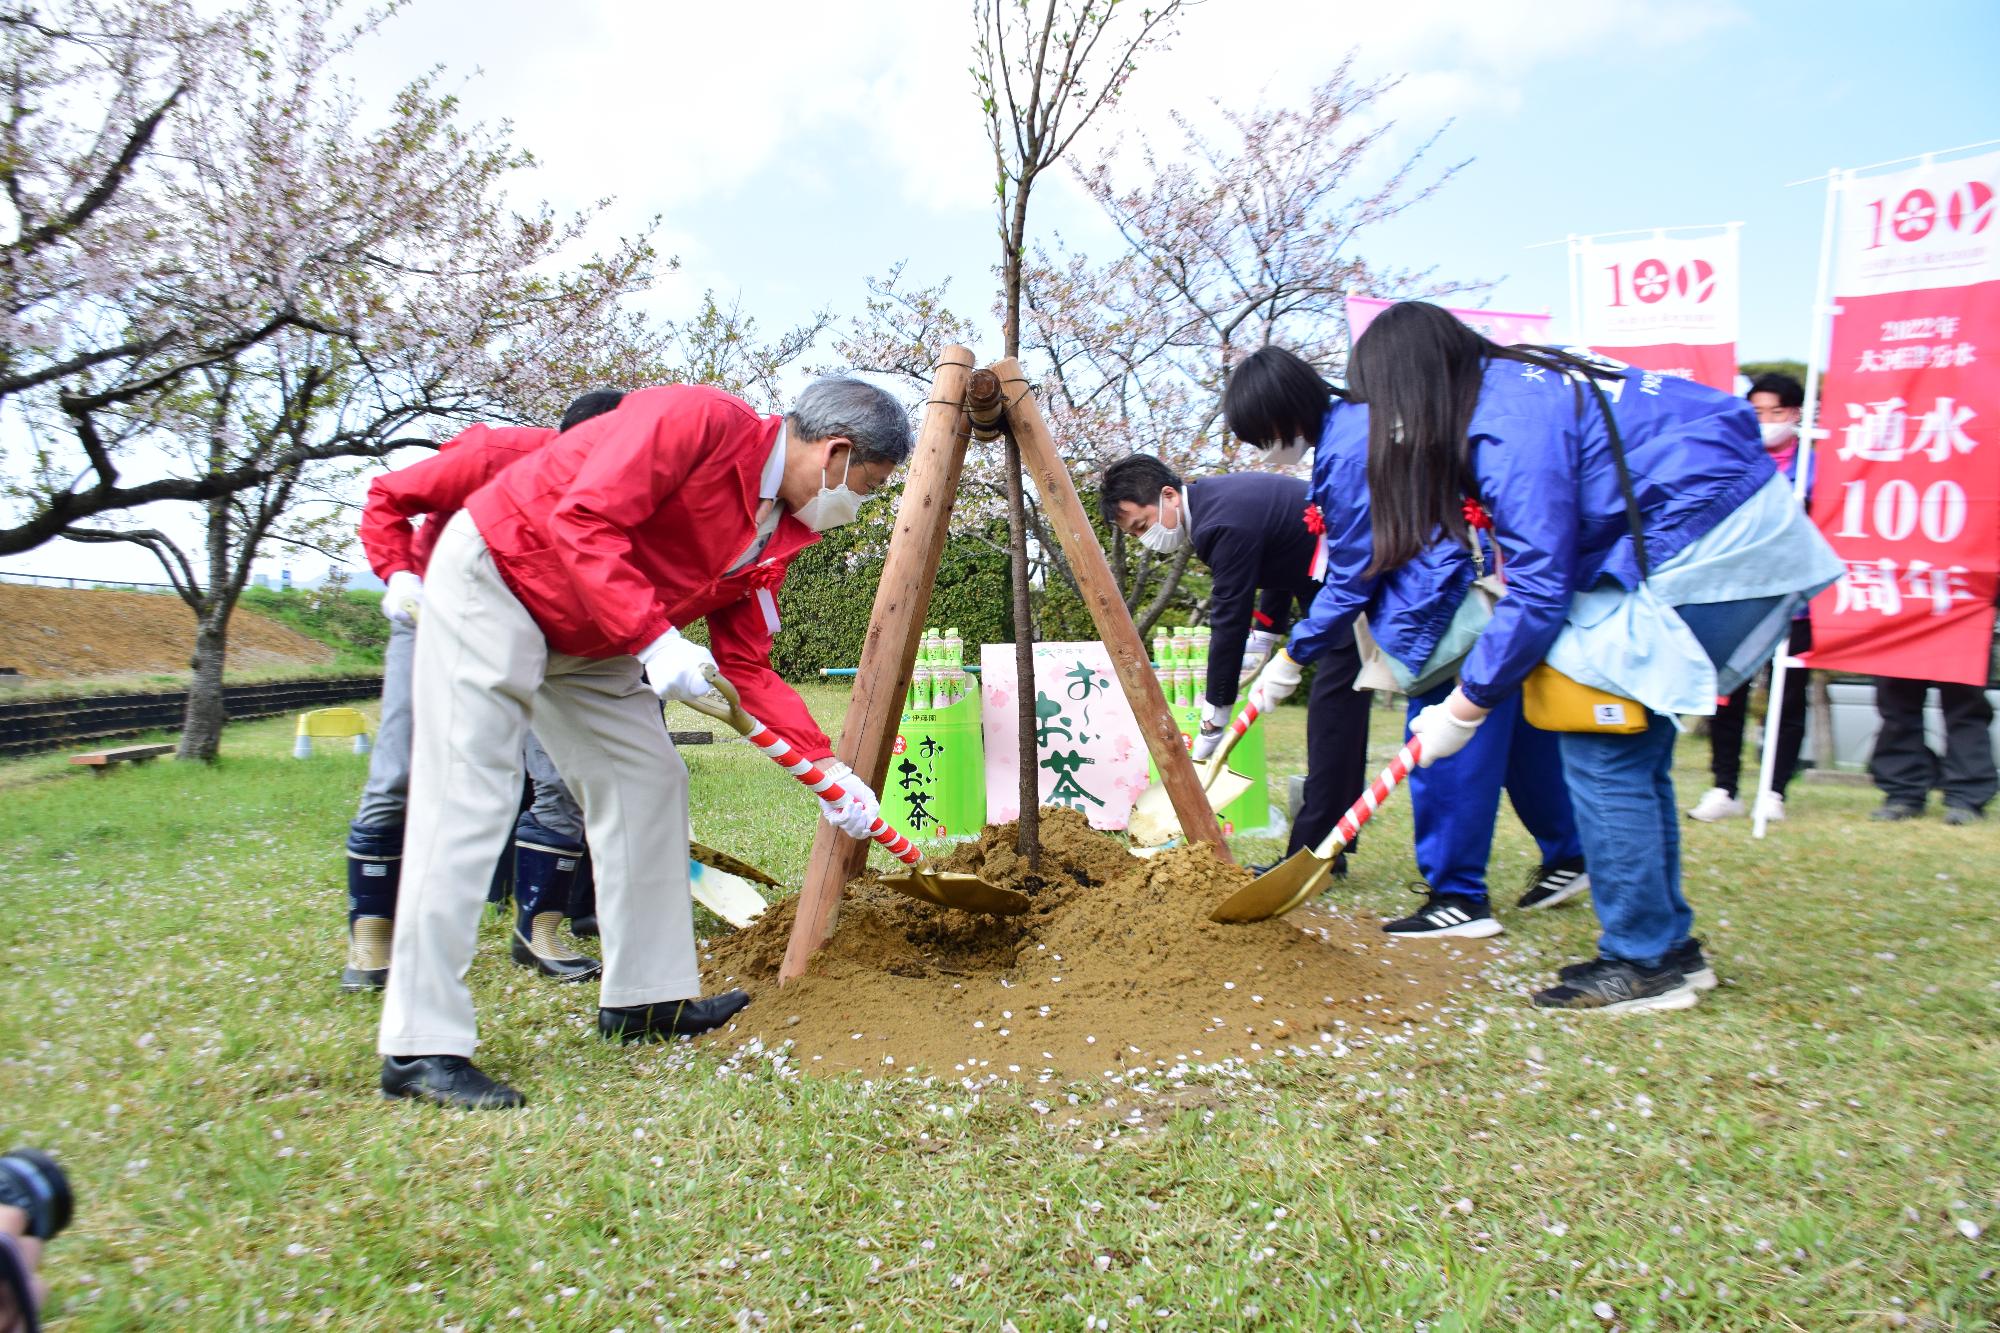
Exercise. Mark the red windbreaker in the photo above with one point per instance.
(621, 530)
(436, 487)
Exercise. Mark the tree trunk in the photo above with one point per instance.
(201, 726)
(1170, 584)
(1028, 843)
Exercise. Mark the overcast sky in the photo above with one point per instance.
(793, 148)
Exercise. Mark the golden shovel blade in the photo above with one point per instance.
(1279, 889)
(956, 888)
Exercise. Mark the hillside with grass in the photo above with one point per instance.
(74, 634)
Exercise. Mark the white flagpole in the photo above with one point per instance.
(1822, 312)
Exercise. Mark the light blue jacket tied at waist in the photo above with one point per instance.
(1633, 643)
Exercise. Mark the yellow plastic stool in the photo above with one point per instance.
(330, 722)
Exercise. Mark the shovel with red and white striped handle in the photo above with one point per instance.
(1306, 871)
(943, 888)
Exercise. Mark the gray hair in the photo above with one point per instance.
(843, 405)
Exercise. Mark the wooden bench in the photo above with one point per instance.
(101, 761)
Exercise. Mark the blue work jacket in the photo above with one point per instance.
(1545, 473)
(1408, 608)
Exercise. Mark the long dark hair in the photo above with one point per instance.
(1275, 396)
(1418, 368)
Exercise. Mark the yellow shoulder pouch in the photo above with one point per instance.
(1555, 702)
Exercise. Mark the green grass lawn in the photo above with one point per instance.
(1813, 1147)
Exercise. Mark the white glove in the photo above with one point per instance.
(1214, 721)
(855, 814)
(404, 597)
(674, 667)
(1275, 683)
(1258, 647)
(1442, 732)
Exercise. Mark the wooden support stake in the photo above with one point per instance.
(1107, 609)
(889, 653)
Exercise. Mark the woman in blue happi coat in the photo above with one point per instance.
(1578, 461)
(1273, 398)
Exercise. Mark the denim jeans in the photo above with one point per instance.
(1453, 804)
(1623, 791)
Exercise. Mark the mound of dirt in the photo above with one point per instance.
(74, 633)
(1115, 967)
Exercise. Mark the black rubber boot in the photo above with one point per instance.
(544, 870)
(583, 900)
(374, 870)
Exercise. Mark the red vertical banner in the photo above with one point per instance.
(1663, 303)
(1907, 464)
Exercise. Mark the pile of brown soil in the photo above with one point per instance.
(68, 633)
(1115, 968)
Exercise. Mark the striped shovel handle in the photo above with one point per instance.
(1371, 800)
(816, 780)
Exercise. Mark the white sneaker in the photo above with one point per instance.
(1771, 806)
(1715, 804)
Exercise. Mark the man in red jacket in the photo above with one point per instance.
(548, 838)
(559, 592)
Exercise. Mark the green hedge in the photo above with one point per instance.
(830, 590)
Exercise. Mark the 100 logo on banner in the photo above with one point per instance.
(1651, 281)
(1968, 210)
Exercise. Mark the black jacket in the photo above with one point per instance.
(1249, 528)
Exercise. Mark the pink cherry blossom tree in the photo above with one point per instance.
(1043, 71)
(264, 278)
(1235, 239)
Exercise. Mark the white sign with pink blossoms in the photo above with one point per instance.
(1089, 752)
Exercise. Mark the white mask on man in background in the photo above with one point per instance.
(1778, 434)
(1161, 539)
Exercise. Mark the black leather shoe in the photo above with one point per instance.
(670, 1018)
(584, 926)
(445, 1080)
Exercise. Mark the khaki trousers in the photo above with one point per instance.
(483, 672)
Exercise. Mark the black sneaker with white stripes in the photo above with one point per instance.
(1555, 884)
(1446, 916)
(1685, 958)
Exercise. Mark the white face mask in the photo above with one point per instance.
(1161, 539)
(1778, 434)
(834, 505)
(1284, 455)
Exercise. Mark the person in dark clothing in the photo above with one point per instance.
(1779, 401)
(1250, 530)
(1906, 769)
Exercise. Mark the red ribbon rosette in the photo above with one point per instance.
(1476, 515)
(1315, 520)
